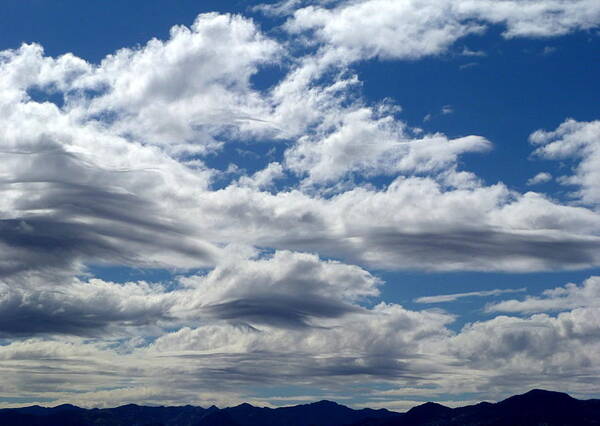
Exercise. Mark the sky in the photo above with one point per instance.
(377, 202)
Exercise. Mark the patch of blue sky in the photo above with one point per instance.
(40, 95)
(94, 29)
(237, 158)
(268, 76)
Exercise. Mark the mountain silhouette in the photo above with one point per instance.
(534, 408)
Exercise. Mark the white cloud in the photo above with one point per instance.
(447, 109)
(383, 28)
(468, 52)
(533, 18)
(200, 90)
(181, 94)
(367, 144)
(443, 298)
(414, 222)
(533, 346)
(542, 177)
(265, 178)
(388, 29)
(90, 196)
(564, 298)
(579, 141)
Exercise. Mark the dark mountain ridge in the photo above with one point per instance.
(534, 408)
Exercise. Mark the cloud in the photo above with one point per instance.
(265, 178)
(468, 52)
(542, 177)
(287, 290)
(414, 222)
(353, 30)
(159, 209)
(200, 90)
(390, 346)
(393, 30)
(549, 50)
(468, 65)
(92, 308)
(87, 201)
(369, 145)
(447, 109)
(577, 141)
(533, 345)
(444, 298)
(564, 298)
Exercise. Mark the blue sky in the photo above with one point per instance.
(219, 202)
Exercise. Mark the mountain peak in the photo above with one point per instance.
(539, 395)
(429, 410)
(545, 393)
(63, 407)
(325, 403)
(244, 405)
(121, 406)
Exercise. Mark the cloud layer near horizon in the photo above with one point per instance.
(109, 164)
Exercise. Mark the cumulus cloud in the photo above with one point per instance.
(387, 29)
(392, 29)
(265, 178)
(579, 141)
(286, 290)
(371, 145)
(201, 88)
(534, 346)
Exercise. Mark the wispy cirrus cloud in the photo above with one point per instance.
(445, 298)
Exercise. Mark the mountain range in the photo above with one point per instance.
(534, 408)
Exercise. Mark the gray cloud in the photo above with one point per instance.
(286, 290)
(280, 310)
(91, 308)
